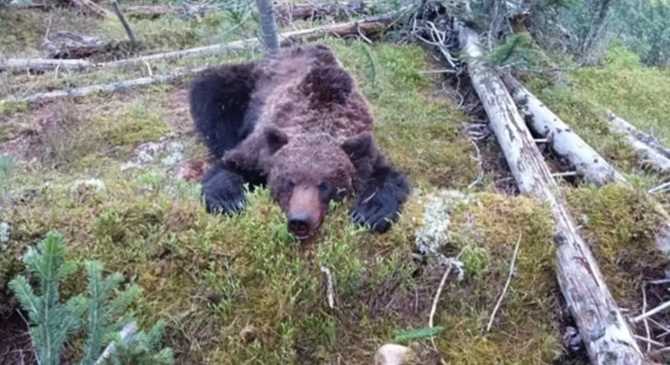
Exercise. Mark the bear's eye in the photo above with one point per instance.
(324, 188)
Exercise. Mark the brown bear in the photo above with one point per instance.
(297, 122)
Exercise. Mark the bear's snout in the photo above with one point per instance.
(305, 212)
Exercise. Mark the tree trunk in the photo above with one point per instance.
(606, 335)
(645, 138)
(649, 155)
(598, 23)
(562, 139)
(268, 25)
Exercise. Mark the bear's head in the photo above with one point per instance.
(307, 171)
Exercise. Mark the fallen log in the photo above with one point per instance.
(563, 140)
(286, 13)
(156, 11)
(88, 6)
(567, 144)
(365, 26)
(43, 64)
(69, 45)
(606, 335)
(649, 148)
(290, 12)
(101, 88)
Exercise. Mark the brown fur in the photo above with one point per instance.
(307, 131)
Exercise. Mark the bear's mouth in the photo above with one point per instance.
(299, 229)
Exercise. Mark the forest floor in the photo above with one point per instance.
(111, 172)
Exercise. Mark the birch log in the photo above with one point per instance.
(646, 146)
(569, 145)
(101, 88)
(364, 26)
(43, 64)
(563, 140)
(606, 335)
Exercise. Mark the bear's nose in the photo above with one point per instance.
(299, 225)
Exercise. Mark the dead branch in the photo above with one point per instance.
(607, 337)
(101, 88)
(366, 26)
(650, 313)
(507, 282)
(43, 64)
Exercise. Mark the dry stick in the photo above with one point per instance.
(367, 25)
(43, 64)
(660, 308)
(569, 145)
(438, 293)
(606, 335)
(644, 309)
(104, 88)
(509, 280)
(652, 157)
(126, 26)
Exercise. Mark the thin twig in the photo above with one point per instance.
(644, 309)
(509, 280)
(450, 265)
(649, 341)
(659, 281)
(478, 158)
(565, 174)
(658, 309)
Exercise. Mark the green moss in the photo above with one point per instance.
(213, 276)
(486, 231)
(619, 223)
(132, 126)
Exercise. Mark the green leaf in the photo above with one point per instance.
(417, 334)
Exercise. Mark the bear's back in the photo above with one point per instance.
(306, 90)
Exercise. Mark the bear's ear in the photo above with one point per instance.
(275, 139)
(358, 146)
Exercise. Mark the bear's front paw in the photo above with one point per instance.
(224, 193)
(376, 210)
